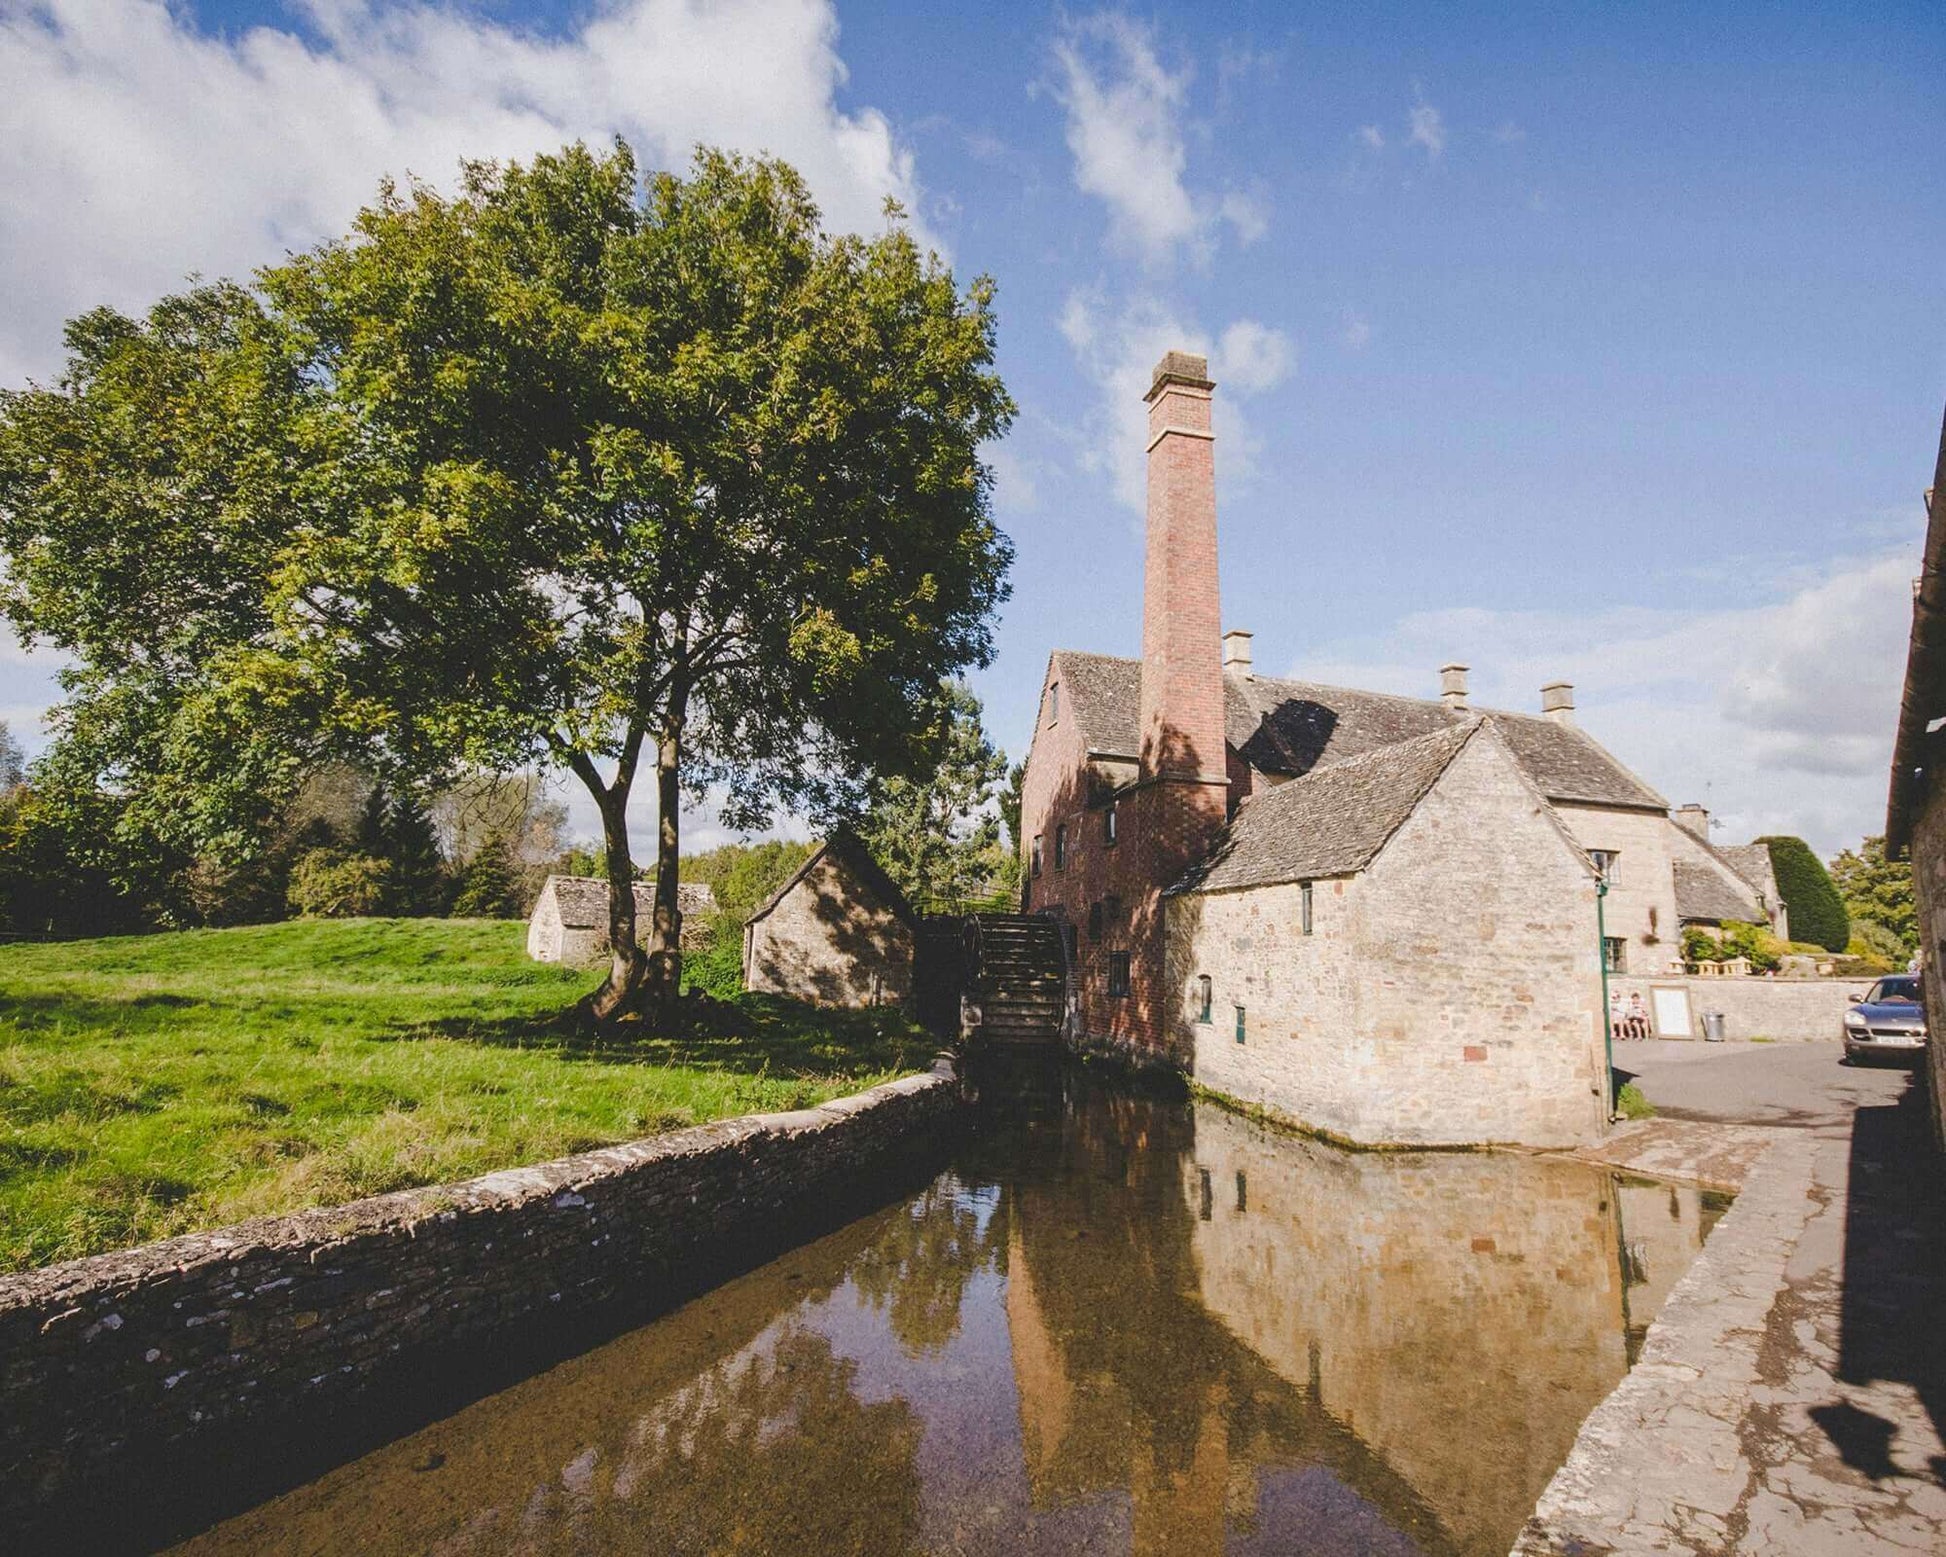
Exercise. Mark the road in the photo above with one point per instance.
(1793, 1085)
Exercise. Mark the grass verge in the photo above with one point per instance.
(154, 1085)
(1631, 1104)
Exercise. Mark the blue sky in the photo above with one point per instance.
(1597, 342)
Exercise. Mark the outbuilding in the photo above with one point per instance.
(839, 932)
(570, 919)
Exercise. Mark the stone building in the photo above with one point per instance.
(1915, 813)
(570, 918)
(1390, 900)
(838, 933)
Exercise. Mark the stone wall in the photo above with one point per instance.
(147, 1356)
(1447, 995)
(1641, 905)
(1755, 1007)
(831, 941)
(1929, 877)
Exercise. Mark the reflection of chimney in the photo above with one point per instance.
(1182, 652)
(1557, 701)
(1236, 651)
(1695, 820)
(1452, 686)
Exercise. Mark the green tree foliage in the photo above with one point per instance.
(13, 761)
(396, 829)
(1878, 892)
(742, 876)
(1817, 913)
(938, 834)
(325, 884)
(490, 885)
(636, 479)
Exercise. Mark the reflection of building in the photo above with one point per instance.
(838, 933)
(1429, 1330)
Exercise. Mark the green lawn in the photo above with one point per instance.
(151, 1085)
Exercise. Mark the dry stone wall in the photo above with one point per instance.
(1788, 1009)
(145, 1352)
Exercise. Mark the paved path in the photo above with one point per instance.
(1792, 1397)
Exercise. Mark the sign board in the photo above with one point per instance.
(1671, 1005)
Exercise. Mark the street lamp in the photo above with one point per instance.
(1607, 1020)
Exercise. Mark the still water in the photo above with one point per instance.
(1125, 1325)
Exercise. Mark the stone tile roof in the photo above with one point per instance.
(583, 900)
(1703, 894)
(846, 846)
(1332, 821)
(1291, 727)
(1752, 862)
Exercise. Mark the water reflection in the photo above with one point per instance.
(1126, 1326)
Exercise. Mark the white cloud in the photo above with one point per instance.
(1371, 137)
(1779, 717)
(134, 149)
(1118, 347)
(1508, 133)
(1249, 215)
(1358, 331)
(1124, 112)
(1426, 128)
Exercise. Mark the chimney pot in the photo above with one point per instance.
(1236, 651)
(1557, 701)
(1452, 685)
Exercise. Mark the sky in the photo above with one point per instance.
(1595, 343)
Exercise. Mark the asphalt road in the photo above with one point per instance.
(1793, 1085)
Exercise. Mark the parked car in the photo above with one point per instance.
(1889, 1018)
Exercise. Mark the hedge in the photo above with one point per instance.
(1817, 912)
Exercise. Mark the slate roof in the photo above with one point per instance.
(1332, 821)
(1702, 894)
(583, 900)
(847, 846)
(1292, 727)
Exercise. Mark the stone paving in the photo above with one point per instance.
(1791, 1398)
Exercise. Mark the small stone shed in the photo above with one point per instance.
(570, 918)
(838, 933)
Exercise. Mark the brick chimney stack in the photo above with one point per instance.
(1182, 637)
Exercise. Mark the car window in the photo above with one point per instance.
(1904, 989)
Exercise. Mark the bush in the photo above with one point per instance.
(1871, 939)
(329, 885)
(718, 969)
(1755, 942)
(1698, 945)
(1817, 912)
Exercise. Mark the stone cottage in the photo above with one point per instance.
(570, 919)
(1915, 812)
(839, 932)
(1375, 914)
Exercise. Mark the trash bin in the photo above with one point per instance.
(1712, 1027)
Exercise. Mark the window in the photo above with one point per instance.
(1108, 826)
(1118, 982)
(1037, 854)
(1240, 1027)
(1061, 847)
(1243, 1192)
(1304, 908)
(1071, 939)
(1605, 863)
(1112, 906)
(1094, 920)
(1205, 994)
(1054, 703)
(1614, 954)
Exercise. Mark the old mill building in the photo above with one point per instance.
(1373, 915)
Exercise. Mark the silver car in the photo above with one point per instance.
(1889, 1018)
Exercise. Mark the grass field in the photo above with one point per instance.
(152, 1085)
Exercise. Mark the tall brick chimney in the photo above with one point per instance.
(1182, 637)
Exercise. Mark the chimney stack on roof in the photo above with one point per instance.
(1452, 686)
(1557, 701)
(1236, 651)
(1694, 820)
(1182, 630)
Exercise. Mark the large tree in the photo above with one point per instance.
(653, 481)
(1877, 891)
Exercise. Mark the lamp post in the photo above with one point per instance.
(1607, 1020)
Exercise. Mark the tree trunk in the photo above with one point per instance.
(628, 967)
(664, 983)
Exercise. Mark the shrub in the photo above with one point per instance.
(329, 885)
(1755, 942)
(1817, 912)
(1698, 945)
(1872, 939)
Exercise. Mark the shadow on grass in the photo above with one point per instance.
(753, 1035)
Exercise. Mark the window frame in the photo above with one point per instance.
(1306, 911)
(1205, 1000)
(1094, 920)
(1060, 845)
(1034, 868)
(1243, 1025)
(1614, 954)
(1121, 976)
(1108, 826)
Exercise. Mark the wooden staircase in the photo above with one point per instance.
(1018, 977)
